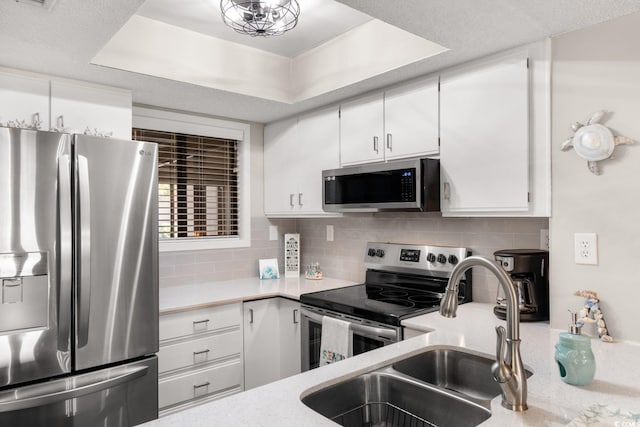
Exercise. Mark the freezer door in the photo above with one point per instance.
(120, 396)
(35, 255)
(116, 254)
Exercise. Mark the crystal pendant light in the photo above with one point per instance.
(260, 18)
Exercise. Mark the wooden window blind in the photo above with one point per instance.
(197, 185)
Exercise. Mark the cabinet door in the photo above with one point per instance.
(484, 131)
(79, 107)
(317, 149)
(411, 120)
(361, 130)
(261, 342)
(279, 163)
(24, 98)
(290, 359)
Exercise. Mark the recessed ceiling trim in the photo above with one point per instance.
(151, 47)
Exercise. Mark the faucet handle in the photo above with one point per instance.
(501, 371)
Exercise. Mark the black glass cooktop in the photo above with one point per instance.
(387, 304)
(387, 297)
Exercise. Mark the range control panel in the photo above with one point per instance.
(433, 260)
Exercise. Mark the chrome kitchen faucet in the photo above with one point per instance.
(507, 370)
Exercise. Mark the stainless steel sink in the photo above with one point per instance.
(444, 386)
(454, 369)
(385, 398)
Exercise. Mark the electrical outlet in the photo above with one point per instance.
(329, 233)
(586, 248)
(544, 239)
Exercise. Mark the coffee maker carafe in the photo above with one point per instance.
(529, 271)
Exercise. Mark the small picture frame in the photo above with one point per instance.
(268, 269)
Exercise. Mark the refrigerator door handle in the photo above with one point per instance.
(32, 401)
(64, 257)
(84, 225)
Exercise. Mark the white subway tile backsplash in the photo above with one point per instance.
(344, 257)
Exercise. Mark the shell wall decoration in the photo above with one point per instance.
(594, 141)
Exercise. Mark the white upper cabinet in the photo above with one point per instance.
(24, 99)
(279, 161)
(64, 105)
(296, 151)
(397, 124)
(494, 135)
(411, 120)
(362, 130)
(84, 108)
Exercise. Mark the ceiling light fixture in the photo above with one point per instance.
(260, 18)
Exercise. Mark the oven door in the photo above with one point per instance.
(366, 335)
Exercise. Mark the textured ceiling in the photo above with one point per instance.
(320, 21)
(63, 40)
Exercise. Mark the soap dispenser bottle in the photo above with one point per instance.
(574, 356)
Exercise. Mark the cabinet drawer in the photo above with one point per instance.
(200, 350)
(191, 322)
(204, 382)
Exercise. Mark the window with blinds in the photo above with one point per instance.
(197, 185)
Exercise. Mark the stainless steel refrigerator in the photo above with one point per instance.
(79, 280)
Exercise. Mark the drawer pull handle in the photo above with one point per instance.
(198, 353)
(197, 388)
(251, 315)
(199, 325)
(295, 317)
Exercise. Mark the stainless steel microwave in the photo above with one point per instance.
(412, 185)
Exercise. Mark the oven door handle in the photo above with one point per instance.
(370, 331)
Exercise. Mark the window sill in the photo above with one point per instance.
(203, 244)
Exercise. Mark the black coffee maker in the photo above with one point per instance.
(529, 271)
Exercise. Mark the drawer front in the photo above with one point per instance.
(199, 350)
(177, 389)
(191, 322)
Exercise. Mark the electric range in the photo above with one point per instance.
(402, 281)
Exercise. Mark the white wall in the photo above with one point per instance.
(597, 68)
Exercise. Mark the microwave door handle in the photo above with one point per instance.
(34, 401)
(84, 226)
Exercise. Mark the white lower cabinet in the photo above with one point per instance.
(271, 340)
(200, 357)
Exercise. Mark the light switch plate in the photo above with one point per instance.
(273, 232)
(329, 233)
(586, 248)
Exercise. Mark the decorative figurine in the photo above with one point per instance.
(594, 141)
(591, 313)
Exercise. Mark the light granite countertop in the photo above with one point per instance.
(551, 401)
(189, 297)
